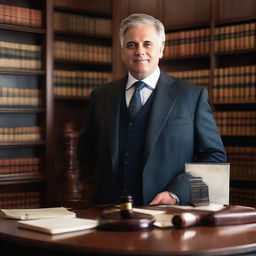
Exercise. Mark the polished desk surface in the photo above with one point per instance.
(224, 240)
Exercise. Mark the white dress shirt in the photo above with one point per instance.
(151, 81)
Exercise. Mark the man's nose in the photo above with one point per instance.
(140, 50)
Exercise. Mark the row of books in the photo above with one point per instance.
(197, 41)
(234, 84)
(82, 52)
(242, 161)
(19, 169)
(78, 83)
(19, 92)
(19, 161)
(18, 200)
(242, 196)
(17, 55)
(190, 42)
(235, 37)
(19, 97)
(82, 24)
(236, 123)
(199, 77)
(20, 102)
(14, 134)
(20, 16)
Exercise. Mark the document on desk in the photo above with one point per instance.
(55, 226)
(36, 213)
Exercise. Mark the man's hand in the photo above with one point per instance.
(163, 198)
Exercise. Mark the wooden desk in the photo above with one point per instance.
(226, 240)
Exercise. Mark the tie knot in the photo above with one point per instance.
(139, 85)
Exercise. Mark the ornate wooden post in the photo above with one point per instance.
(71, 188)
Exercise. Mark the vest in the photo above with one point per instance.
(131, 150)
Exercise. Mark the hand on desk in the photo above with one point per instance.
(163, 198)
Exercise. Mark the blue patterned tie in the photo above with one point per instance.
(135, 103)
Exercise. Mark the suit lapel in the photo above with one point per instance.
(112, 106)
(163, 104)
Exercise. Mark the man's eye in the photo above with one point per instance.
(147, 44)
(130, 45)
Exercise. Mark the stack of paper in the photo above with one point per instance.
(48, 220)
(40, 213)
(58, 225)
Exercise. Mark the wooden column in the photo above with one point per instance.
(70, 187)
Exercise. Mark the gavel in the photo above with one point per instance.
(125, 218)
(229, 215)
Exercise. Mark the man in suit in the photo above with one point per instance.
(142, 153)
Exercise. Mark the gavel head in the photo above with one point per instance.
(126, 203)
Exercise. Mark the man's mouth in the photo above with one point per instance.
(140, 60)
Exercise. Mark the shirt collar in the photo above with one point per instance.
(151, 80)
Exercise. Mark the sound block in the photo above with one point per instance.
(116, 221)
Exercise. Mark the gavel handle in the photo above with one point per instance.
(230, 215)
(188, 219)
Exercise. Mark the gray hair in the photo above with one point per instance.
(138, 19)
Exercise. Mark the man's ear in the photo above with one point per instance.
(122, 53)
(162, 50)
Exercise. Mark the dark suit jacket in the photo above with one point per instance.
(181, 129)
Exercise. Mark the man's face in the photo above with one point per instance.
(141, 51)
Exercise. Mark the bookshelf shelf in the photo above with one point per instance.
(6, 179)
(83, 35)
(235, 20)
(72, 98)
(22, 144)
(87, 63)
(22, 110)
(81, 10)
(236, 52)
(187, 57)
(22, 28)
(238, 103)
(18, 71)
(238, 135)
(180, 27)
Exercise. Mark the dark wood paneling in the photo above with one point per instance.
(151, 7)
(95, 6)
(181, 13)
(230, 10)
(120, 11)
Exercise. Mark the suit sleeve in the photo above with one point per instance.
(208, 143)
(86, 151)
(208, 147)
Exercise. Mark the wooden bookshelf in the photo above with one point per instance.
(82, 60)
(22, 33)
